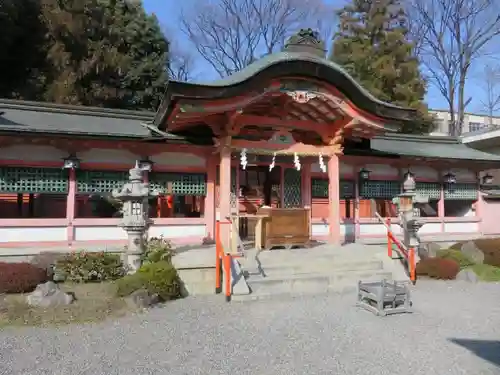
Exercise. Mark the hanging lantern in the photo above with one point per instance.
(273, 162)
(450, 178)
(296, 161)
(364, 174)
(243, 159)
(322, 165)
(487, 179)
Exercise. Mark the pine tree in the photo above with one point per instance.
(107, 53)
(372, 45)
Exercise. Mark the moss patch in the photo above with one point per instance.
(485, 272)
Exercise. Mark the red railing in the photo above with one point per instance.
(408, 254)
(223, 263)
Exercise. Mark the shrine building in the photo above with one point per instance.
(292, 132)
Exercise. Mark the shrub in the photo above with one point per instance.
(485, 272)
(438, 268)
(83, 267)
(456, 255)
(47, 260)
(490, 248)
(20, 277)
(157, 249)
(158, 278)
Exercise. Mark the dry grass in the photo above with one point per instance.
(95, 302)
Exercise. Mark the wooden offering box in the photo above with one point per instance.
(285, 227)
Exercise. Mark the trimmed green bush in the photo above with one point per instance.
(158, 278)
(485, 272)
(438, 268)
(157, 249)
(456, 255)
(84, 267)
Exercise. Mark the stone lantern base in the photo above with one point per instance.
(135, 249)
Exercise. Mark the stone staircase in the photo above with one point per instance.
(319, 270)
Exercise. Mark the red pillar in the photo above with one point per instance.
(70, 205)
(334, 200)
(225, 194)
(211, 165)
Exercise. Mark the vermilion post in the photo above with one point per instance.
(227, 272)
(218, 259)
(411, 261)
(389, 238)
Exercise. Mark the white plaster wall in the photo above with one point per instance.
(430, 228)
(372, 229)
(33, 152)
(178, 159)
(425, 172)
(463, 175)
(33, 234)
(382, 170)
(178, 231)
(461, 227)
(319, 229)
(344, 169)
(94, 233)
(103, 155)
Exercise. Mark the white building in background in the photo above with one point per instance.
(472, 122)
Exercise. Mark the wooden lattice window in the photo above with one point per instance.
(89, 182)
(292, 196)
(460, 191)
(33, 180)
(373, 189)
(431, 190)
(179, 183)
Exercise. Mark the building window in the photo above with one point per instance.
(476, 126)
(460, 199)
(181, 194)
(432, 191)
(94, 193)
(319, 197)
(33, 192)
(376, 196)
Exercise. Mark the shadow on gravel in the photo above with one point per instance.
(489, 350)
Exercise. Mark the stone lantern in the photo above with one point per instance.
(135, 195)
(409, 213)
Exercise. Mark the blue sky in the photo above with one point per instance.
(168, 12)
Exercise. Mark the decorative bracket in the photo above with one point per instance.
(301, 96)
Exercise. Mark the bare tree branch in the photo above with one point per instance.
(181, 64)
(490, 80)
(451, 35)
(231, 34)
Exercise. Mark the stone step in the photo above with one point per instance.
(317, 266)
(312, 282)
(304, 285)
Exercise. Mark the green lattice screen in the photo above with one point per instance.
(33, 180)
(292, 188)
(379, 189)
(100, 181)
(182, 183)
(432, 190)
(460, 191)
(319, 188)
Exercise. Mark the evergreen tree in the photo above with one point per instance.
(107, 53)
(372, 45)
(21, 46)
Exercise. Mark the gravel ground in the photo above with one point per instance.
(455, 330)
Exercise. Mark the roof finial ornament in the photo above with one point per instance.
(306, 41)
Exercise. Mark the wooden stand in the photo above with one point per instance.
(285, 227)
(384, 297)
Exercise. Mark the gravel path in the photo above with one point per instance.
(315, 335)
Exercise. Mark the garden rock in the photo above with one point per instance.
(471, 251)
(49, 295)
(428, 250)
(3, 304)
(467, 275)
(142, 299)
